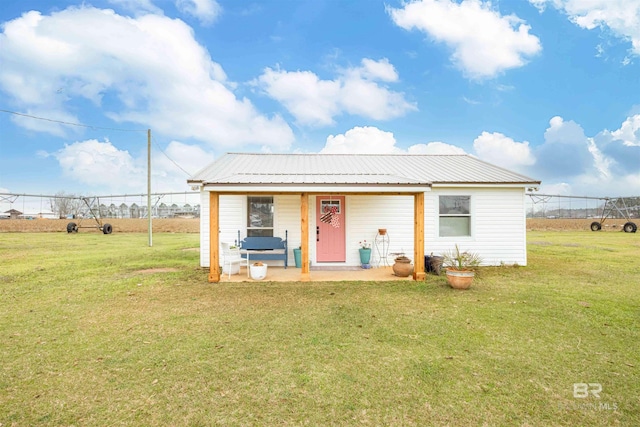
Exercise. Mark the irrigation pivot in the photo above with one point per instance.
(615, 208)
(611, 206)
(91, 211)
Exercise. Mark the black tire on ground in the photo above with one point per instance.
(107, 229)
(72, 227)
(630, 227)
(596, 226)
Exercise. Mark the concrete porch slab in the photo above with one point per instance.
(324, 274)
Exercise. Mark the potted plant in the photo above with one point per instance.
(460, 267)
(402, 266)
(258, 270)
(297, 256)
(365, 254)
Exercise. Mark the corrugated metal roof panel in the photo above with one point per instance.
(254, 168)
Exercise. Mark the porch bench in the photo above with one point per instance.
(265, 248)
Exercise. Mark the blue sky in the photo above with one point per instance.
(548, 88)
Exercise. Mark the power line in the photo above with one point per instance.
(101, 128)
(71, 123)
(167, 156)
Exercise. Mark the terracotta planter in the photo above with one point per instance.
(402, 267)
(460, 279)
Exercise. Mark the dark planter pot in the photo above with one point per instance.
(433, 264)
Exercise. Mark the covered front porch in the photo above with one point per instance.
(307, 272)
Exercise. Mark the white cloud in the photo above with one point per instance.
(593, 165)
(541, 5)
(371, 140)
(503, 151)
(620, 149)
(180, 158)
(102, 166)
(621, 17)
(629, 132)
(206, 11)
(377, 70)
(565, 152)
(149, 70)
(361, 140)
(355, 90)
(310, 100)
(484, 42)
(435, 147)
(601, 162)
(560, 188)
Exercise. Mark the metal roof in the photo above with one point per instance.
(247, 169)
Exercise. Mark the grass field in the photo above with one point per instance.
(103, 330)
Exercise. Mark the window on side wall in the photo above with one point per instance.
(260, 216)
(455, 216)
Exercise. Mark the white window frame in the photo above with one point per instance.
(331, 202)
(248, 206)
(470, 216)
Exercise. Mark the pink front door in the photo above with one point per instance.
(330, 224)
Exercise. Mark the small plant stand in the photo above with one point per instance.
(381, 245)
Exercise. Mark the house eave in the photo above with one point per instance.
(485, 184)
(316, 188)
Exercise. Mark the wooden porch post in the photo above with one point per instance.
(305, 276)
(214, 237)
(418, 238)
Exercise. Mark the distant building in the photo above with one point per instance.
(13, 214)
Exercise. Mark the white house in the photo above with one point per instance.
(328, 203)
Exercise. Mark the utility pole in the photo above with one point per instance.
(149, 187)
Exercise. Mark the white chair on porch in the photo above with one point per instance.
(231, 256)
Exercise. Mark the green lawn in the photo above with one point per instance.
(89, 338)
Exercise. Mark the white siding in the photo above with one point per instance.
(366, 214)
(287, 221)
(498, 229)
(232, 218)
